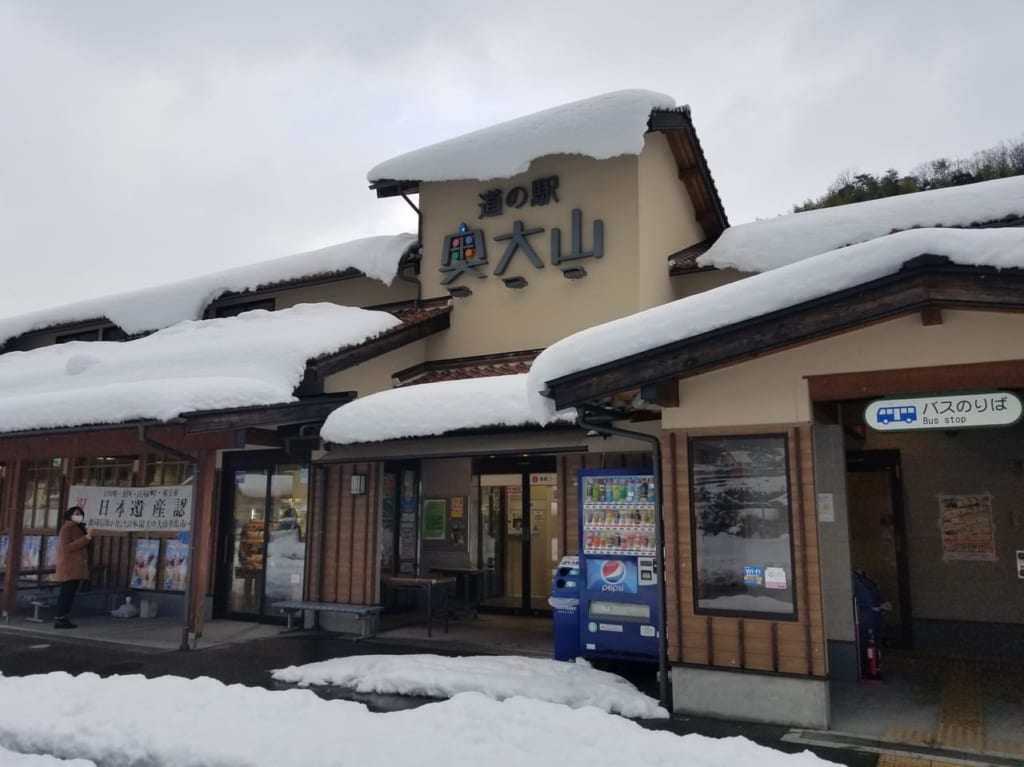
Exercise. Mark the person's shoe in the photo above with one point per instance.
(63, 623)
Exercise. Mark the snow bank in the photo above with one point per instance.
(499, 677)
(763, 293)
(170, 720)
(425, 410)
(165, 305)
(256, 358)
(604, 126)
(775, 242)
(15, 759)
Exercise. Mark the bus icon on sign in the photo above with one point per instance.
(900, 414)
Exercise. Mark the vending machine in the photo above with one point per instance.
(619, 597)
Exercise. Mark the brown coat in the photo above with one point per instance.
(72, 554)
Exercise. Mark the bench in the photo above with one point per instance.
(293, 608)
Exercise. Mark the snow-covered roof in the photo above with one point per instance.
(601, 127)
(760, 294)
(431, 409)
(165, 305)
(256, 358)
(774, 242)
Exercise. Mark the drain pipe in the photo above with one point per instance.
(415, 281)
(187, 627)
(603, 426)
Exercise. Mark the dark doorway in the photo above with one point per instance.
(877, 535)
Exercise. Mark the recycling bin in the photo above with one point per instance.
(565, 608)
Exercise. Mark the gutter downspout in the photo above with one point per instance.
(602, 427)
(187, 628)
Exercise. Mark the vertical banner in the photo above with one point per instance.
(147, 557)
(175, 565)
(965, 524)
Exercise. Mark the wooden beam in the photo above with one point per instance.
(663, 393)
(946, 378)
(304, 411)
(885, 299)
(931, 315)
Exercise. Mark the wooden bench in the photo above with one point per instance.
(293, 608)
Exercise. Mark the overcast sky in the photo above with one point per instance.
(143, 142)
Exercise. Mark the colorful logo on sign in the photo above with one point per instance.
(753, 576)
(612, 575)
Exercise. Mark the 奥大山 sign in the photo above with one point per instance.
(944, 411)
(135, 508)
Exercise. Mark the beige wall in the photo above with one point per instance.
(353, 292)
(666, 221)
(772, 389)
(375, 375)
(697, 282)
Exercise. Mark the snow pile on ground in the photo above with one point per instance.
(132, 720)
(604, 126)
(165, 305)
(774, 242)
(256, 358)
(499, 677)
(761, 294)
(425, 410)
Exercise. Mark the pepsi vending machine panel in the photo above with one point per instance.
(619, 600)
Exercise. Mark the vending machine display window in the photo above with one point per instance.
(741, 518)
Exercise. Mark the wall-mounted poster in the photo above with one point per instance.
(965, 524)
(30, 547)
(147, 555)
(175, 565)
(5, 544)
(50, 544)
(435, 513)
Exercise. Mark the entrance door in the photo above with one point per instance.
(877, 540)
(263, 546)
(519, 539)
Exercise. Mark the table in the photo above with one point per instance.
(465, 575)
(427, 586)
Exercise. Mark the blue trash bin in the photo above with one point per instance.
(565, 608)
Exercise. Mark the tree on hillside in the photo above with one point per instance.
(1005, 159)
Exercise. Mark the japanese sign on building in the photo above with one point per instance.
(944, 411)
(965, 524)
(465, 250)
(135, 508)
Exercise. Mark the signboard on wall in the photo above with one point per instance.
(944, 411)
(135, 508)
(965, 525)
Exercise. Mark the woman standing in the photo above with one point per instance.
(72, 563)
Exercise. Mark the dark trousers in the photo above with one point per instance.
(68, 589)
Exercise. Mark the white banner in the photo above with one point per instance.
(135, 508)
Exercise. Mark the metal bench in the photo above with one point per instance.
(293, 608)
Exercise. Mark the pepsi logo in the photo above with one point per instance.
(613, 571)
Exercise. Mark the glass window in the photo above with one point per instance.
(741, 526)
(41, 509)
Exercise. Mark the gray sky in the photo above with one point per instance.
(143, 142)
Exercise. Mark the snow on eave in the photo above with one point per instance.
(786, 286)
(601, 127)
(769, 244)
(161, 306)
(433, 409)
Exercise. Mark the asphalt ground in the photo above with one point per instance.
(250, 663)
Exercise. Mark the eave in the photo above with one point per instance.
(925, 286)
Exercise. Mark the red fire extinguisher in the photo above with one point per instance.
(871, 650)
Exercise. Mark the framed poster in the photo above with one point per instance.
(30, 548)
(175, 565)
(5, 544)
(50, 544)
(965, 524)
(740, 506)
(435, 519)
(147, 556)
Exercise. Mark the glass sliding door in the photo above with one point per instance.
(266, 539)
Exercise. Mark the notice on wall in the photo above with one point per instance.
(435, 512)
(1020, 564)
(965, 524)
(135, 508)
(826, 507)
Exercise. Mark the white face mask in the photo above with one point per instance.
(77, 518)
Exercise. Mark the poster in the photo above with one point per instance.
(30, 546)
(434, 519)
(965, 524)
(147, 555)
(175, 565)
(51, 542)
(5, 544)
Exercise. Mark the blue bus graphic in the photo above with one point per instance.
(901, 413)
